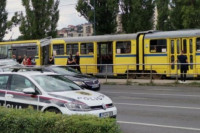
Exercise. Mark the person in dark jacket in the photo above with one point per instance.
(184, 66)
(71, 62)
(77, 61)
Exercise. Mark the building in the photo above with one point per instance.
(76, 31)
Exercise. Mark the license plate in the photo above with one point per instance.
(106, 114)
(95, 85)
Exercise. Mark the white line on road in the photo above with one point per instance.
(152, 94)
(159, 106)
(162, 126)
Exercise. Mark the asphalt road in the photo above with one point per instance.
(156, 109)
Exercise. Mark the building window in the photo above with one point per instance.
(87, 48)
(72, 49)
(59, 49)
(158, 46)
(123, 47)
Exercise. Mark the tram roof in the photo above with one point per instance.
(173, 34)
(101, 38)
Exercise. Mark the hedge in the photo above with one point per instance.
(31, 121)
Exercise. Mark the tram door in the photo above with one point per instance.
(45, 54)
(176, 46)
(105, 56)
(175, 50)
(188, 48)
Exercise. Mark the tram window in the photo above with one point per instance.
(87, 48)
(158, 46)
(123, 47)
(72, 49)
(172, 46)
(184, 46)
(178, 47)
(4, 51)
(198, 45)
(59, 48)
(191, 46)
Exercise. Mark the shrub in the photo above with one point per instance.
(31, 121)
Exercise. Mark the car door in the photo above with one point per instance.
(15, 98)
(3, 88)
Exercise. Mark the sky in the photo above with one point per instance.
(68, 15)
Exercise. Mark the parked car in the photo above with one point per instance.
(85, 81)
(51, 92)
(10, 62)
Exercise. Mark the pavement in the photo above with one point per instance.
(145, 81)
(155, 109)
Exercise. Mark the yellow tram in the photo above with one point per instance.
(134, 53)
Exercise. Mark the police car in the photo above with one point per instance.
(47, 91)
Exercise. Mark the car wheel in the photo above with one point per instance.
(53, 110)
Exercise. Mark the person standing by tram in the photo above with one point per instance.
(184, 66)
(77, 60)
(70, 61)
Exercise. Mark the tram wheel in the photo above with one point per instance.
(157, 76)
(132, 76)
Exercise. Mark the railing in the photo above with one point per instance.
(128, 70)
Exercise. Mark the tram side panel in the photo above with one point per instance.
(156, 53)
(88, 57)
(58, 50)
(124, 54)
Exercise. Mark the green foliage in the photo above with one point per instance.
(137, 15)
(185, 14)
(3, 19)
(30, 121)
(40, 20)
(163, 22)
(105, 12)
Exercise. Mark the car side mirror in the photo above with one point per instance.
(29, 91)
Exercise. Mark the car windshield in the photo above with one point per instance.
(65, 70)
(55, 83)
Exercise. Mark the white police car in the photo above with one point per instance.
(51, 92)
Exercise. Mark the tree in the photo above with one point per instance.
(105, 12)
(163, 22)
(176, 15)
(40, 20)
(137, 15)
(185, 14)
(3, 19)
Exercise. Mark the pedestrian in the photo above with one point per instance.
(70, 61)
(77, 61)
(19, 59)
(14, 57)
(29, 61)
(51, 61)
(24, 62)
(184, 66)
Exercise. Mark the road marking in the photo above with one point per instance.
(159, 106)
(162, 126)
(152, 94)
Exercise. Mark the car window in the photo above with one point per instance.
(55, 83)
(63, 71)
(3, 81)
(19, 83)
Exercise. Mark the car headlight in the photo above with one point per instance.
(79, 83)
(77, 106)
